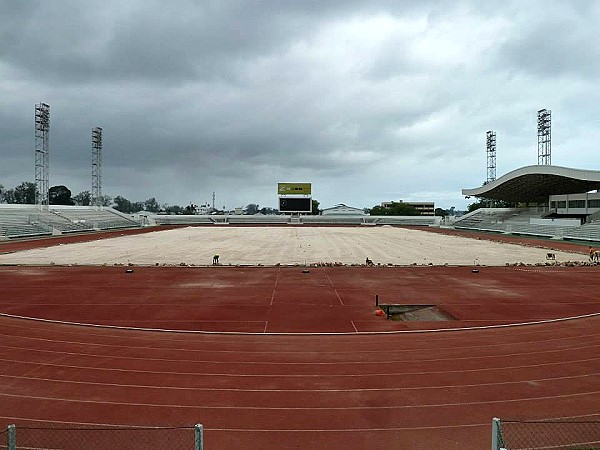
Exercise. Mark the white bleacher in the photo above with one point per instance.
(257, 219)
(182, 219)
(287, 219)
(90, 217)
(587, 232)
(31, 220)
(407, 220)
(331, 219)
(517, 221)
(488, 219)
(23, 221)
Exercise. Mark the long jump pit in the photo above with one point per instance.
(283, 344)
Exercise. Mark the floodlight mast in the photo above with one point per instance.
(42, 156)
(544, 122)
(490, 140)
(97, 167)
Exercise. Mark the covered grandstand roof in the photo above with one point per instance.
(537, 183)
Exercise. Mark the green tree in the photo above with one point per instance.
(315, 208)
(152, 205)
(8, 196)
(84, 198)
(395, 209)
(122, 204)
(127, 207)
(252, 208)
(267, 210)
(60, 195)
(190, 209)
(487, 203)
(477, 205)
(172, 209)
(3, 194)
(25, 193)
(105, 200)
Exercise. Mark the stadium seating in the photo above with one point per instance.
(90, 217)
(517, 221)
(488, 219)
(30, 220)
(286, 219)
(587, 232)
(183, 220)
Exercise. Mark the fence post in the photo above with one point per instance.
(199, 432)
(12, 437)
(497, 441)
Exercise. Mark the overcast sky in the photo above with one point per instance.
(370, 101)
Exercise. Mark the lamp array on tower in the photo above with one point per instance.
(42, 156)
(544, 135)
(490, 140)
(544, 122)
(42, 159)
(96, 166)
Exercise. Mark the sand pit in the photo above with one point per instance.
(287, 245)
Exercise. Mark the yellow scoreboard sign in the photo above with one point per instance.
(294, 188)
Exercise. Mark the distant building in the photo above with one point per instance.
(424, 208)
(343, 210)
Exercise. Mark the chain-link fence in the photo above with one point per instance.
(101, 437)
(545, 434)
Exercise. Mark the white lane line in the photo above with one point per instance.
(335, 290)
(305, 408)
(275, 287)
(354, 326)
(211, 389)
(312, 375)
(390, 360)
(245, 333)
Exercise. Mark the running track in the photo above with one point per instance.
(416, 390)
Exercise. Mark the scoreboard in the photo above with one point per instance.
(295, 204)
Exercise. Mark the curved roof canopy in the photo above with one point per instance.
(537, 183)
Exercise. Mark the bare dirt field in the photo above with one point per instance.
(287, 246)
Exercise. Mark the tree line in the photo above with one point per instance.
(61, 195)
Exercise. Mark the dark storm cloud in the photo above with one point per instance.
(559, 41)
(365, 99)
(182, 40)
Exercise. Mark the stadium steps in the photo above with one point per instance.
(90, 217)
(587, 232)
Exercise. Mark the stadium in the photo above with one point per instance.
(305, 331)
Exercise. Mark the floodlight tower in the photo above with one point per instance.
(544, 122)
(97, 166)
(42, 160)
(490, 140)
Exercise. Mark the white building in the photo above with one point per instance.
(343, 210)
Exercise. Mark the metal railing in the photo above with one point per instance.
(105, 437)
(545, 434)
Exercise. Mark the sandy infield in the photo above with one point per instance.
(287, 245)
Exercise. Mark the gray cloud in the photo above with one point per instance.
(557, 41)
(370, 101)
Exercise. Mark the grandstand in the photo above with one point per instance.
(562, 211)
(94, 218)
(18, 221)
(258, 219)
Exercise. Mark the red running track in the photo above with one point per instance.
(417, 390)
